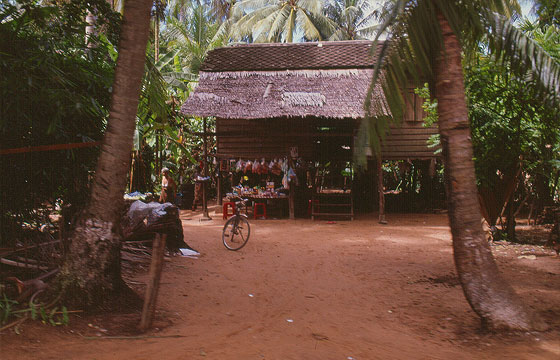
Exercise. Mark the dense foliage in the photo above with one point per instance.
(55, 89)
(510, 126)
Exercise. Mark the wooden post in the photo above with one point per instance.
(205, 215)
(156, 266)
(219, 190)
(380, 191)
(291, 201)
(157, 169)
(292, 193)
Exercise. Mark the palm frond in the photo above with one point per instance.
(407, 57)
(350, 13)
(245, 7)
(310, 31)
(524, 55)
(353, 19)
(222, 33)
(313, 7)
(290, 26)
(176, 31)
(369, 127)
(338, 35)
(247, 24)
(324, 25)
(154, 90)
(368, 32)
(279, 19)
(261, 30)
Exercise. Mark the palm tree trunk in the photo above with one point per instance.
(90, 28)
(489, 295)
(92, 271)
(156, 37)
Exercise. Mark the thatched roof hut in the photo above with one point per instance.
(324, 83)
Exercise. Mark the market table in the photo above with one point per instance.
(272, 202)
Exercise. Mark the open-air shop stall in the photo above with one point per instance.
(302, 104)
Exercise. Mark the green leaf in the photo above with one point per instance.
(111, 49)
(65, 317)
(166, 59)
(43, 313)
(33, 311)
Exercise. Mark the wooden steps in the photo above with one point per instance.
(332, 192)
(332, 206)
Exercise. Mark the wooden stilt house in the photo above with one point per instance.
(269, 99)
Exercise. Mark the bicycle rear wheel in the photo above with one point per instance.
(236, 233)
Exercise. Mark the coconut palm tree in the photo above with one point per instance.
(193, 38)
(425, 42)
(280, 20)
(91, 273)
(221, 9)
(355, 18)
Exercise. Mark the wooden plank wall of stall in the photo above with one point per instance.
(273, 138)
(408, 141)
(268, 138)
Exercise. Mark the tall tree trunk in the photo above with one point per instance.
(156, 37)
(489, 295)
(92, 271)
(90, 28)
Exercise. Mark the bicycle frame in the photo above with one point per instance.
(237, 225)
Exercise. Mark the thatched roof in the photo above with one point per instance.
(259, 81)
(298, 56)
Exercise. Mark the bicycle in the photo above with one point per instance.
(237, 229)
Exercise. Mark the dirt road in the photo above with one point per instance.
(317, 290)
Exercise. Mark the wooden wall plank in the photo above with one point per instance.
(272, 138)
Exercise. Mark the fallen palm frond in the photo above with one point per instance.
(25, 265)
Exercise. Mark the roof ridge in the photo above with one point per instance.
(281, 56)
(306, 43)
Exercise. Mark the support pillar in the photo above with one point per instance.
(219, 190)
(292, 202)
(292, 194)
(205, 215)
(380, 190)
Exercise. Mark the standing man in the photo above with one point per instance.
(168, 187)
(197, 188)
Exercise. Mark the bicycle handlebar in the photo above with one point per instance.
(239, 200)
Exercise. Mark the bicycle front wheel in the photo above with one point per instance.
(236, 233)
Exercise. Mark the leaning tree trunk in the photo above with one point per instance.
(92, 271)
(489, 295)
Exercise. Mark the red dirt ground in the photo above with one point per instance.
(314, 290)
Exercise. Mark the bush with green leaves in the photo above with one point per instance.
(54, 89)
